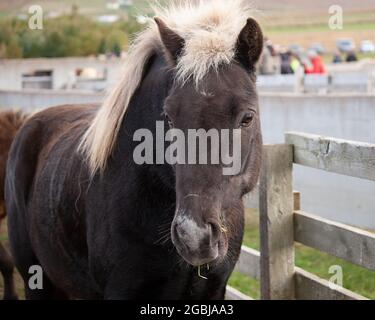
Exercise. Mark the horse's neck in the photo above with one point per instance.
(145, 109)
(149, 188)
(127, 191)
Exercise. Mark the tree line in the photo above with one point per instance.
(68, 35)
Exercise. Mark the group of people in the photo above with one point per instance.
(291, 62)
(350, 57)
(284, 61)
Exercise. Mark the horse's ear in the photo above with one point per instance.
(249, 44)
(172, 42)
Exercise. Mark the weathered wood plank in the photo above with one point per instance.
(251, 200)
(234, 294)
(249, 263)
(349, 243)
(310, 287)
(356, 159)
(276, 223)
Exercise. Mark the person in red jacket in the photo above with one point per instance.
(317, 64)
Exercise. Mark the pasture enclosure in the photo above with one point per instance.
(283, 222)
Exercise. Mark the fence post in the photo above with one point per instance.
(276, 223)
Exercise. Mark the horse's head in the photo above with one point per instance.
(225, 98)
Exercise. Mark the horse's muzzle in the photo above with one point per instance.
(197, 244)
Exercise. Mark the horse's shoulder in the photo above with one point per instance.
(46, 128)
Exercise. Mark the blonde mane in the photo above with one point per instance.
(210, 29)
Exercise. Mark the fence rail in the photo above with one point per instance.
(352, 244)
(234, 294)
(282, 222)
(311, 287)
(356, 159)
(307, 285)
(249, 263)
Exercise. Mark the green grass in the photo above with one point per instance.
(355, 278)
(246, 285)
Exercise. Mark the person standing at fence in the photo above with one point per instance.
(317, 64)
(286, 60)
(351, 57)
(337, 57)
(295, 63)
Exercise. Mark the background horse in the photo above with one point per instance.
(102, 226)
(10, 122)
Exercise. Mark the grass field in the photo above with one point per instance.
(356, 278)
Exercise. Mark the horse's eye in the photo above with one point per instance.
(247, 119)
(170, 123)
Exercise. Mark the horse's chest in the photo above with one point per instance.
(188, 283)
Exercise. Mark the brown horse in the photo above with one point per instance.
(10, 122)
(101, 224)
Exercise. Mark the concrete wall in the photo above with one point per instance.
(355, 81)
(347, 116)
(38, 99)
(341, 77)
(63, 70)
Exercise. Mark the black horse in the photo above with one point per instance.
(114, 229)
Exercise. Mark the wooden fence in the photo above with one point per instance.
(282, 222)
